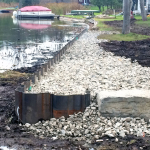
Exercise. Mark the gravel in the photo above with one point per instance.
(89, 126)
(88, 66)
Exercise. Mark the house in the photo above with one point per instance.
(84, 2)
(137, 9)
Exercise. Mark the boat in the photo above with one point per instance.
(34, 12)
(33, 24)
(4, 11)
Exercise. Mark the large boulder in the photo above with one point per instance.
(124, 103)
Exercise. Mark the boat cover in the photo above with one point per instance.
(34, 8)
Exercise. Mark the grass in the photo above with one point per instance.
(103, 27)
(144, 23)
(58, 22)
(74, 16)
(5, 5)
(123, 37)
(12, 74)
(63, 8)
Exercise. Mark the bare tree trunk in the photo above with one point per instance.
(126, 18)
(99, 8)
(143, 11)
(20, 4)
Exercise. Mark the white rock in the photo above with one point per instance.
(122, 134)
(27, 125)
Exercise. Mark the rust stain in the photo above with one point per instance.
(60, 113)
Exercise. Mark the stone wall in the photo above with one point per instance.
(127, 103)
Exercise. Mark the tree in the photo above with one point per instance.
(143, 12)
(23, 2)
(109, 3)
(98, 3)
(126, 19)
(29, 2)
(9, 1)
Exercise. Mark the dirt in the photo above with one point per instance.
(134, 27)
(12, 135)
(136, 50)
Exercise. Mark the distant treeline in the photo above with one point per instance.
(23, 2)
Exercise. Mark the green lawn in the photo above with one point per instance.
(144, 23)
(123, 37)
(96, 8)
(117, 18)
(103, 27)
(74, 16)
(12, 74)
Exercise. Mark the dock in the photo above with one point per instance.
(83, 12)
(4, 11)
(21, 17)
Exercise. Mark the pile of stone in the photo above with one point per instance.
(87, 66)
(89, 126)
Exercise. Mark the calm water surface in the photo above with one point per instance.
(26, 43)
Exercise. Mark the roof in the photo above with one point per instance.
(34, 8)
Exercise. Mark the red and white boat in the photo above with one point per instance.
(34, 12)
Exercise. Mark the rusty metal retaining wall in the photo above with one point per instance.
(32, 107)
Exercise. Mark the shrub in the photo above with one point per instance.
(63, 8)
(4, 5)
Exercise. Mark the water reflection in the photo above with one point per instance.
(25, 43)
(33, 24)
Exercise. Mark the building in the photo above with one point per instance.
(137, 6)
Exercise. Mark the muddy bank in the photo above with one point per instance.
(134, 27)
(12, 135)
(136, 50)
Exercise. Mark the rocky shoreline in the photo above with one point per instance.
(87, 66)
(89, 128)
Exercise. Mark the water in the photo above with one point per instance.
(26, 43)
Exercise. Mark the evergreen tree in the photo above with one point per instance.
(109, 3)
(26, 3)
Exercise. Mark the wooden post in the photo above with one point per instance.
(126, 19)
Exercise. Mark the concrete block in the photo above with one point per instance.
(124, 103)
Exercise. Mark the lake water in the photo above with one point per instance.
(26, 43)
